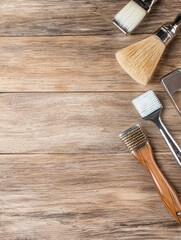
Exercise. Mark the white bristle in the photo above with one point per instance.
(147, 103)
(140, 60)
(130, 16)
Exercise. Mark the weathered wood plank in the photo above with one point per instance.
(62, 17)
(83, 197)
(75, 122)
(73, 64)
(97, 192)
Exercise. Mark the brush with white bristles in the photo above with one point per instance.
(141, 59)
(150, 107)
(132, 14)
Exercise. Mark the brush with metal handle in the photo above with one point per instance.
(149, 107)
(137, 142)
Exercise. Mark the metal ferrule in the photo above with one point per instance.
(165, 36)
(168, 31)
(145, 4)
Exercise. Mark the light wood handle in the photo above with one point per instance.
(166, 192)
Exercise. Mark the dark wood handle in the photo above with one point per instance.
(166, 192)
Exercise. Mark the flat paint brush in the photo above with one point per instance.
(137, 142)
(141, 59)
(149, 107)
(132, 14)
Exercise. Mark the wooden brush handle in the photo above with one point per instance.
(166, 192)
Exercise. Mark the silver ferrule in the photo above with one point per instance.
(168, 31)
(146, 4)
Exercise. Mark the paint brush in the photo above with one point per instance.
(141, 59)
(128, 18)
(149, 107)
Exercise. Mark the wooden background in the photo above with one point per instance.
(64, 173)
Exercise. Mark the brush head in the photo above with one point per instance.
(129, 17)
(147, 105)
(141, 59)
(134, 138)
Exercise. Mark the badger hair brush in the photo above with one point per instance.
(128, 18)
(141, 59)
(149, 107)
(137, 142)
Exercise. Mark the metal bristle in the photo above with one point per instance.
(134, 138)
(147, 103)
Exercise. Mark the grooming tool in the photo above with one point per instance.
(137, 142)
(172, 83)
(141, 59)
(149, 107)
(132, 14)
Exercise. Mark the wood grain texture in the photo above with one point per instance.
(83, 197)
(62, 17)
(75, 122)
(64, 64)
(65, 175)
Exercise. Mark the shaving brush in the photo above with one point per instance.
(141, 59)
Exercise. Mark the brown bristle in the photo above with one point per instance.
(141, 59)
(134, 138)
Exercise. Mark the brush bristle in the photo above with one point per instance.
(129, 17)
(134, 138)
(147, 104)
(141, 59)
